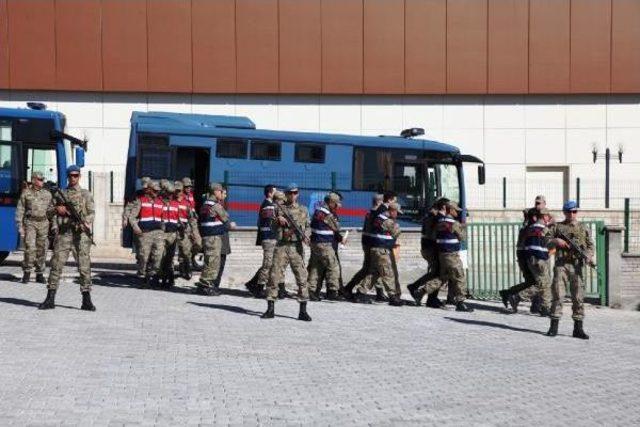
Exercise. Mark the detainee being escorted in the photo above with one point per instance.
(266, 239)
(33, 226)
(569, 268)
(450, 234)
(291, 228)
(71, 236)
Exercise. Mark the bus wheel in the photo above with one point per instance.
(3, 256)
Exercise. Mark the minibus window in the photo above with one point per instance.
(265, 150)
(309, 153)
(231, 148)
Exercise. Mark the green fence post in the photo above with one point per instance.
(333, 181)
(601, 261)
(111, 186)
(626, 224)
(578, 191)
(225, 181)
(504, 192)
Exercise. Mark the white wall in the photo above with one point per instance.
(510, 133)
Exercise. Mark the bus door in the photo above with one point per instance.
(193, 159)
(40, 158)
(408, 183)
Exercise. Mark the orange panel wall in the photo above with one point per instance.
(169, 46)
(257, 46)
(214, 45)
(4, 48)
(342, 46)
(78, 45)
(549, 46)
(383, 46)
(124, 45)
(625, 46)
(32, 61)
(466, 46)
(300, 48)
(425, 46)
(590, 46)
(508, 38)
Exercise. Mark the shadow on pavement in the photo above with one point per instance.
(9, 277)
(235, 309)
(492, 308)
(495, 325)
(27, 303)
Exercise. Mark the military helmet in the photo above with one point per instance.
(154, 185)
(186, 181)
(178, 186)
(278, 196)
(215, 186)
(168, 187)
(37, 175)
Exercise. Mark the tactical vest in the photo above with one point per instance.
(184, 210)
(446, 239)
(320, 231)
(210, 225)
(379, 237)
(426, 238)
(534, 241)
(265, 216)
(150, 217)
(366, 229)
(171, 215)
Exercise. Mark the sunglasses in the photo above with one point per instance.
(292, 192)
(573, 212)
(74, 175)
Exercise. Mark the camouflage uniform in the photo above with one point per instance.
(214, 223)
(449, 235)
(325, 230)
(289, 251)
(33, 225)
(430, 282)
(568, 269)
(266, 237)
(151, 239)
(71, 238)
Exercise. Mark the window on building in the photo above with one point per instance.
(265, 150)
(154, 156)
(309, 153)
(231, 148)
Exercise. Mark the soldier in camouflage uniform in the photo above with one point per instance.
(141, 185)
(569, 268)
(450, 233)
(170, 224)
(145, 218)
(214, 223)
(71, 236)
(289, 251)
(188, 230)
(383, 236)
(33, 226)
(324, 263)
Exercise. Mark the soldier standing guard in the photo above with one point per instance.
(72, 236)
(33, 226)
(569, 267)
(325, 232)
(214, 222)
(449, 235)
(266, 238)
(291, 231)
(145, 218)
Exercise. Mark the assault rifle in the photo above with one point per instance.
(296, 228)
(577, 249)
(74, 216)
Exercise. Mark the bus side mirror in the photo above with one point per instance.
(80, 157)
(481, 176)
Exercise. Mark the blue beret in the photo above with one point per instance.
(73, 168)
(569, 205)
(292, 187)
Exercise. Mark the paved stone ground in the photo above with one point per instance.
(175, 358)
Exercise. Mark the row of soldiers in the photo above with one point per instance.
(65, 216)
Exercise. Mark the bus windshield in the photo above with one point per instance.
(9, 161)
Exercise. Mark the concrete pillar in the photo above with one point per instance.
(613, 245)
(100, 189)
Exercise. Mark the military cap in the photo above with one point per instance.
(453, 205)
(215, 186)
(168, 187)
(178, 186)
(395, 206)
(278, 195)
(540, 198)
(186, 181)
(291, 188)
(333, 197)
(154, 185)
(377, 199)
(73, 168)
(569, 205)
(37, 175)
(163, 183)
(544, 211)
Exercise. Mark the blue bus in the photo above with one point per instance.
(31, 139)
(230, 150)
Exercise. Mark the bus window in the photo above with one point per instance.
(231, 148)
(9, 168)
(265, 150)
(448, 182)
(309, 153)
(154, 156)
(41, 160)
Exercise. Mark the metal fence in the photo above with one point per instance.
(632, 225)
(492, 264)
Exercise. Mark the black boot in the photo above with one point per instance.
(252, 288)
(361, 298)
(186, 270)
(260, 292)
(536, 304)
(154, 281)
(461, 306)
(394, 301)
(416, 294)
(433, 301)
(270, 310)
(333, 295)
(86, 302)
(215, 289)
(553, 328)
(313, 296)
(282, 291)
(318, 297)
(514, 300)
(40, 278)
(504, 296)
(49, 302)
(450, 300)
(303, 312)
(578, 332)
(380, 296)
(347, 292)
(544, 311)
(26, 277)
